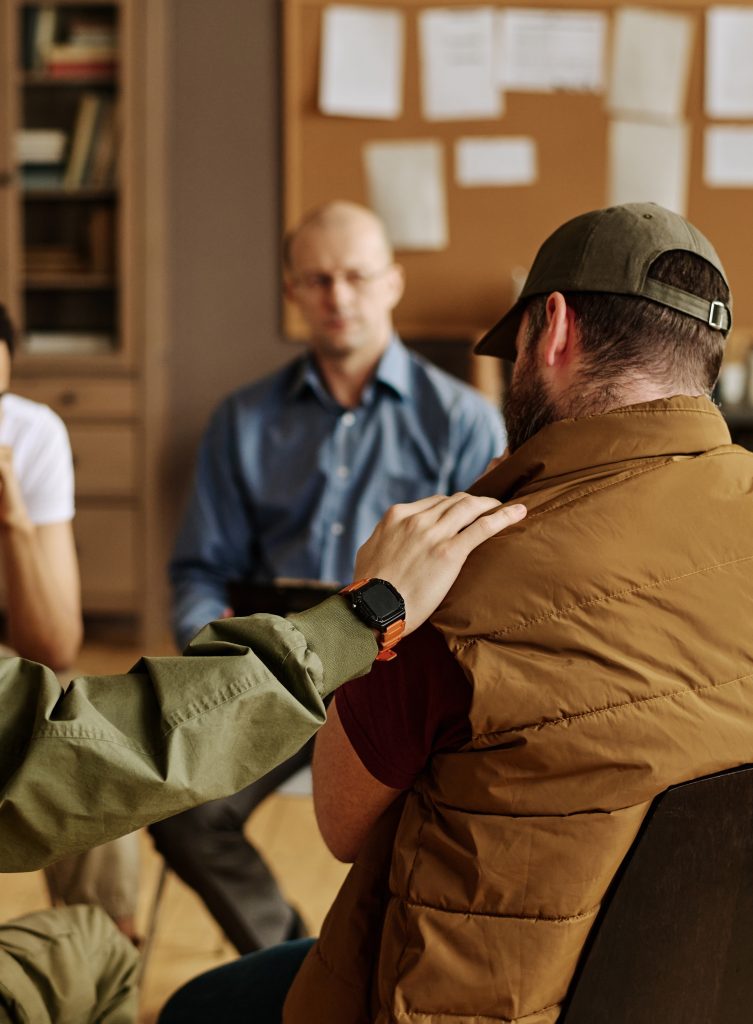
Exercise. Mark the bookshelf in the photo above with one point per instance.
(78, 180)
(69, 98)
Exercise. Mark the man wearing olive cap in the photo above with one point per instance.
(489, 786)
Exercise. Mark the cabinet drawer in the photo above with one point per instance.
(74, 398)
(104, 460)
(106, 544)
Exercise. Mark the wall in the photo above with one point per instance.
(223, 215)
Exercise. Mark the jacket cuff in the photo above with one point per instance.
(345, 646)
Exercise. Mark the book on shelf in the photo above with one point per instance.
(92, 152)
(78, 60)
(68, 45)
(36, 177)
(89, 108)
(88, 30)
(40, 30)
(50, 260)
(28, 32)
(78, 343)
(100, 236)
(100, 167)
(40, 145)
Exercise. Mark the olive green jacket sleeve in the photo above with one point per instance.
(117, 752)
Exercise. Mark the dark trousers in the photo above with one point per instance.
(206, 848)
(251, 990)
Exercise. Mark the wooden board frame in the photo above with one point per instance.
(462, 290)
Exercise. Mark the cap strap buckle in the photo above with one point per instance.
(717, 315)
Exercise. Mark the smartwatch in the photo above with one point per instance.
(379, 605)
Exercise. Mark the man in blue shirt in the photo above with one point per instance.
(293, 473)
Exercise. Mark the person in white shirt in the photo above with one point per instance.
(43, 599)
(43, 603)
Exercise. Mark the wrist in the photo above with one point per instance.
(17, 523)
(379, 605)
(345, 645)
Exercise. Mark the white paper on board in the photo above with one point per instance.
(650, 63)
(728, 156)
(649, 163)
(729, 62)
(546, 50)
(406, 187)
(495, 161)
(457, 66)
(361, 69)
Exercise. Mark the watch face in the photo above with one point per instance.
(380, 603)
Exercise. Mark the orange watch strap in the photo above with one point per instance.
(388, 639)
(353, 586)
(390, 636)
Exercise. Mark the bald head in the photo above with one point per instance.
(340, 273)
(340, 216)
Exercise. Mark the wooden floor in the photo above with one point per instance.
(187, 941)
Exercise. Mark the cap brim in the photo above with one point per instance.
(500, 340)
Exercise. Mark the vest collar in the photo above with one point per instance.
(667, 426)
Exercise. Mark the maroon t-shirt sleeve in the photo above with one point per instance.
(407, 709)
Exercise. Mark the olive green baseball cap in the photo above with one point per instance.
(612, 251)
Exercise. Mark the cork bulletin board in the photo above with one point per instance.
(459, 291)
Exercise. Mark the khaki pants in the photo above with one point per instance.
(67, 966)
(107, 876)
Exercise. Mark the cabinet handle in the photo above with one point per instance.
(6, 178)
(68, 397)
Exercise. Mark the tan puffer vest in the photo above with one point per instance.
(608, 641)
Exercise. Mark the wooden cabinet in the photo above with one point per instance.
(80, 264)
(105, 460)
(107, 544)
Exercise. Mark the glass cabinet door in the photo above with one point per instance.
(66, 178)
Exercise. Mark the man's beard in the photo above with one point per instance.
(526, 405)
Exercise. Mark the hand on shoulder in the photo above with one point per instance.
(421, 547)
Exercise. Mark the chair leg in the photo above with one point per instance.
(151, 926)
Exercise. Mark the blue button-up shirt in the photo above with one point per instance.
(290, 484)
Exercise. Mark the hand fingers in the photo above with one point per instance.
(431, 510)
(403, 511)
(486, 526)
(462, 509)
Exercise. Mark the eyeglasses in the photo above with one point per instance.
(358, 280)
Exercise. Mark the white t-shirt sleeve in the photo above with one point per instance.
(42, 459)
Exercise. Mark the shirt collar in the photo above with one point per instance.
(304, 377)
(393, 371)
(665, 427)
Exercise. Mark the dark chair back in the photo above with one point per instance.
(282, 597)
(673, 943)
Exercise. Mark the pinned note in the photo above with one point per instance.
(495, 161)
(728, 156)
(457, 65)
(649, 163)
(729, 62)
(361, 70)
(548, 50)
(406, 187)
(650, 63)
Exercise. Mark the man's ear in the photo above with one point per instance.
(396, 284)
(287, 288)
(560, 336)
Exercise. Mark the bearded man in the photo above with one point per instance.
(488, 784)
